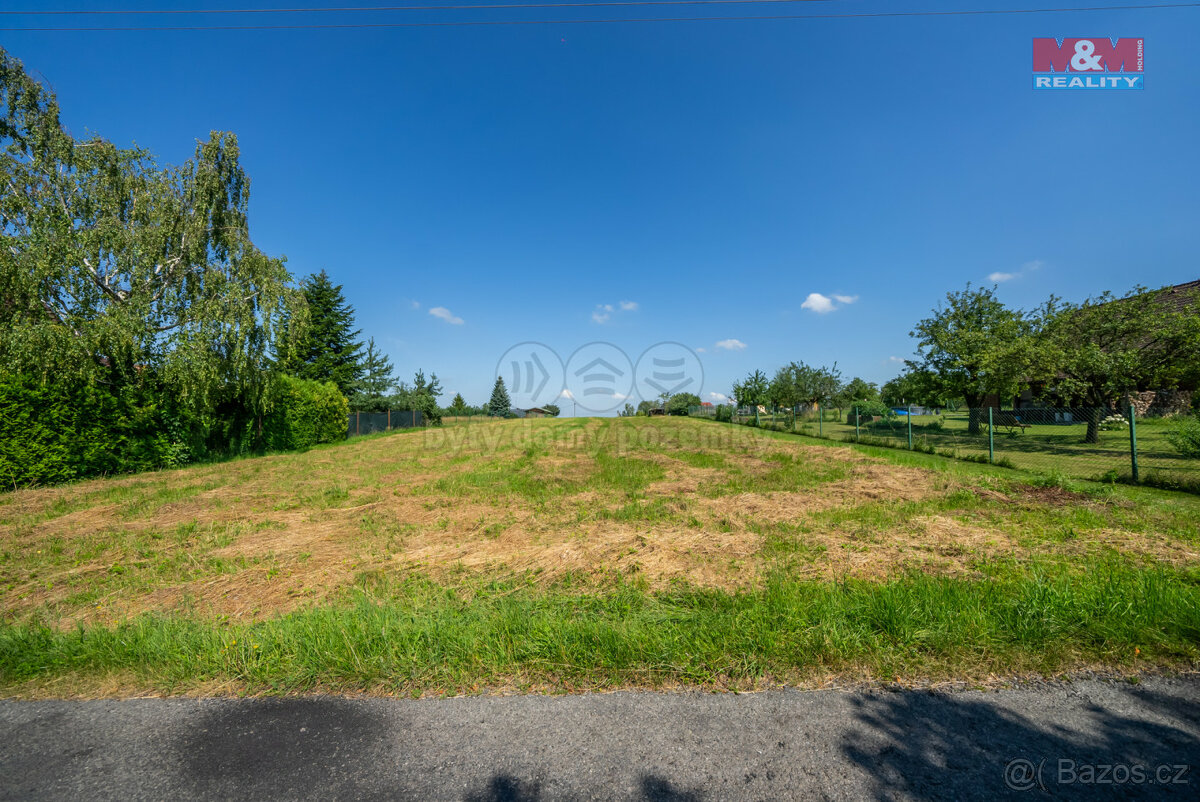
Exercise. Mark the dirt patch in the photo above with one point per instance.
(1052, 496)
(1034, 496)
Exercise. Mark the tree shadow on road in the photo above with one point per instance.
(507, 788)
(262, 748)
(962, 746)
(328, 748)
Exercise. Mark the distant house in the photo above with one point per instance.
(1181, 297)
(535, 412)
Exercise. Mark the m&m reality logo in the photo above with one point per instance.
(1096, 62)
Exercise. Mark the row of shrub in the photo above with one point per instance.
(51, 433)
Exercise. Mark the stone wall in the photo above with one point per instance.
(1157, 404)
(1141, 402)
(1169, 403)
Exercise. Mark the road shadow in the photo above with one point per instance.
(962, 746)
(330, 748)
(507, 788)
(282, 748)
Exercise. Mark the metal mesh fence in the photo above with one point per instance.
(1079, 442)
(371, 422)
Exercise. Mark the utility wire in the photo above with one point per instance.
(348, 9)
(466, 23)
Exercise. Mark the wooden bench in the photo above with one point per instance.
(1009, 422)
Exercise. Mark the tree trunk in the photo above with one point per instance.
(974, 413)
(1093, 425)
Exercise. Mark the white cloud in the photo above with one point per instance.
(415, 304)
(604, 312)
(895, 359)
(619, 397)
(567, 395)
(818, 303)
(445, 314)
(1001, 276)
(731, 345)
(701, 351)
(719, 398)
(823, 304)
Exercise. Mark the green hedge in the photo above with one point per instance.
(868, 408)
(305, 413)
(56, 433)
(53, 433)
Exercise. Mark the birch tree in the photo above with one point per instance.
(112, 266)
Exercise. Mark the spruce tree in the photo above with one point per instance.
(458, 406)
(432, 387)
(500, 405)
(422, 397)
(329, 350)
(376, 382)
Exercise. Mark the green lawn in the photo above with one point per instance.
(1045, 448)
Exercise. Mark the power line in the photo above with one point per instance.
(466, 23)
(156, 11)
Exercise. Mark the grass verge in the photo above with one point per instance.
(417, 637)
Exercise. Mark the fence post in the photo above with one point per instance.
(389, 411)
(1133, 442)
(909, 416)
(856, 438)
(991, 439)
(820, 421)
(757, 422)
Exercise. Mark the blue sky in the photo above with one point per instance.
(713, 174)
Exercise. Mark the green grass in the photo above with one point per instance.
(417, 637)
(1042, 448)
(814, 572)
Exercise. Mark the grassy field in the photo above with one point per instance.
(587, 553)
(1042, 447)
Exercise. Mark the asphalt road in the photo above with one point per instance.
(1117, 740)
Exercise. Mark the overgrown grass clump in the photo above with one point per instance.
(419, 637)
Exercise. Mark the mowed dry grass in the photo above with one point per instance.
(660, 501)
